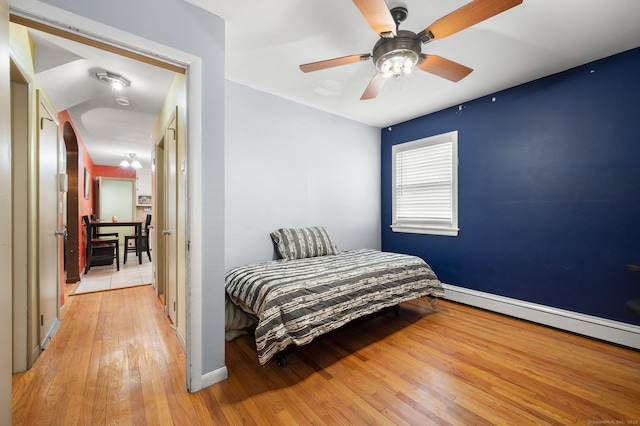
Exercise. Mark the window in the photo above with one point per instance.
(425, 185)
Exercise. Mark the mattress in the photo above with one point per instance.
(297, 300)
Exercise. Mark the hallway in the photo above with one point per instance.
(114, 358)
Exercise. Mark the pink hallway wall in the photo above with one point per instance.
(115, 172)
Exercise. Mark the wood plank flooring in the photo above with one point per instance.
(116, 360)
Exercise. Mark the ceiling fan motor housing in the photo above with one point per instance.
(394, 55)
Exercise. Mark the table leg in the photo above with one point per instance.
(139, 243)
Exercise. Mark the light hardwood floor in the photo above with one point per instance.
(116, 360)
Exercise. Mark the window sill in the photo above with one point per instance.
(425, 229)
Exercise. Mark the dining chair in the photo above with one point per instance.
(144, 241)
(94, 218)
(101, 250)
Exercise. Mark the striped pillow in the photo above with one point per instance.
(300, 243)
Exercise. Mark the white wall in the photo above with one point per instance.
(288, 165)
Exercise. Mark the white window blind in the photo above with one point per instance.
(425, 185)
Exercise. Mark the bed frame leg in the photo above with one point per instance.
(281, 361)
(396, 310)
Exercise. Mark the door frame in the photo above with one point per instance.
(25, 337)
(6, 257)
(70, 141)
(130, 42)
(170, 202)
(158, 182)
(99, 197)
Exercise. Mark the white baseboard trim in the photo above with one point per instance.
(586, 325)
(214, 376)
(35, 353)
(181, 339)
(49, 336)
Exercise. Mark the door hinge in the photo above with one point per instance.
(174, 306)
(41, 320)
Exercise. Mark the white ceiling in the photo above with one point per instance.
(66, 70)
(267, 41)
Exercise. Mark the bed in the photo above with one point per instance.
(315, 288)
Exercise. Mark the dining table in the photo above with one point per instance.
(137, 225)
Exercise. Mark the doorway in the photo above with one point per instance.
(41, 301)
(198, 46)
(115, 203)
(72, 256)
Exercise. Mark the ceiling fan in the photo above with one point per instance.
(398, 51)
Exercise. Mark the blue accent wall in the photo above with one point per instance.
(549, 190)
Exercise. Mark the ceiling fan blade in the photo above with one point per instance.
(374, 87)
(378, 16)
(442, 67)
(344, 60)
(466, 16)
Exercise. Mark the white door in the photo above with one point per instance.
(48, 216)
(159, 210)
(171, 223)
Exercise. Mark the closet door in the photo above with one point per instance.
(171, 225)
(48, 220)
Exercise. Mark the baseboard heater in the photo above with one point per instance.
(586, 325)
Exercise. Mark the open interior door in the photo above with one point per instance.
(171, 220)
(49, 211)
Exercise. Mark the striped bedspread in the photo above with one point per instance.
(298, 300)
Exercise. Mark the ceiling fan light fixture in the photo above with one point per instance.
(131, 162)
(398, 52)
(392, 57)
(396, 63)
(116, 81)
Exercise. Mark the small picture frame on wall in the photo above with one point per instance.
(87, 183)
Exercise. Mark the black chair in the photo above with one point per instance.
(101, 250)
(144, 241)
(94, 217)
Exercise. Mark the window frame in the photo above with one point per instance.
(427, 226)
